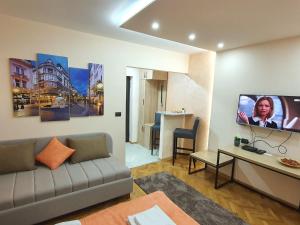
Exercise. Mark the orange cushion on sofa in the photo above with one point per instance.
(54, 154)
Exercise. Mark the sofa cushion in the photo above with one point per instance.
(42, 142)
(22, 188)
(54, 154)
(88, 148)
(17, 157)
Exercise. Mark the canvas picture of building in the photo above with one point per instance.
(96, 89)
(24, 84)
(54, 87)
(79, 96)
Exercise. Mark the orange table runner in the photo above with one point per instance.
(117, 215)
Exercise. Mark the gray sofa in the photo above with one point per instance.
(30, 197)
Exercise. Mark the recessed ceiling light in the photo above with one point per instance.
(155, 25)
(192, 36)
(221, 45)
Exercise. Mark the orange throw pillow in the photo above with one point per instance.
(54, 154)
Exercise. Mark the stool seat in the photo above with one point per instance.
(184, 133)
(156, 127)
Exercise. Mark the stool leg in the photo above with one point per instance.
(175, 150)
(157, 144)
(152, 143)
(174, 147)
(194, 143)
(176, 142)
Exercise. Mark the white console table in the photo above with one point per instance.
(269, 162)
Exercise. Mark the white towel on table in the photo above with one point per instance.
(154, 215)
(73, 222)
(131, 220)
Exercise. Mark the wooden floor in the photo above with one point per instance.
(252, 207)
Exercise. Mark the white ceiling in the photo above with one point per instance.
(235, 22)
(98, 17)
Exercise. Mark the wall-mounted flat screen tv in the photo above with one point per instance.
(271, 111)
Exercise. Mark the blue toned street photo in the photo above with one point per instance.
(96, 89)
(79, 104)
(54, 87)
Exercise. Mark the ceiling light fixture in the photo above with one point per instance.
(221, 45)
(192, 36)
(155, 25)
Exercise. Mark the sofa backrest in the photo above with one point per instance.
(43, 141)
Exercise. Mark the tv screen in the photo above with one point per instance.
(271, 111)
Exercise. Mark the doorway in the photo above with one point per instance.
(127, 130)
(143, 99)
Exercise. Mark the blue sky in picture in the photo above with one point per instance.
(80, 79)
(63, 61)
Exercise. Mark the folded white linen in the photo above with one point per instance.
(131, 220)
(154, 215)
(73, 222)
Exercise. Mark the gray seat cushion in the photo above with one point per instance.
(25, 187)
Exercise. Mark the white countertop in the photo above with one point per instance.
(176, 113)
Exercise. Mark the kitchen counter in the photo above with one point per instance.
(176, 114)
(169, 122)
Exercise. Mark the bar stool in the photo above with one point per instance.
(155, 130)
(185, 133)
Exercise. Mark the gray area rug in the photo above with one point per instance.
(202, 209)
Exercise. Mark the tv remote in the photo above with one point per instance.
(253, 149)
(249, 148)
(260, 151)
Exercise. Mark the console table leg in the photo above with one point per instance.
(232, 169)
(217, 170)
(190, 162)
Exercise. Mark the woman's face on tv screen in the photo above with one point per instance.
(264, 108)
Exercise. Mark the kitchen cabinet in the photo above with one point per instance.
(154, 74)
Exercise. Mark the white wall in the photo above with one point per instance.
(24, 39)
(271, 68)
(193, 91)
(134, 75)
(178, 85)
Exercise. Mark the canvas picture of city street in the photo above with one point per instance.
(50, 89)
(54, 87)
(79, 98)
(24, 85)
(96, 89)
